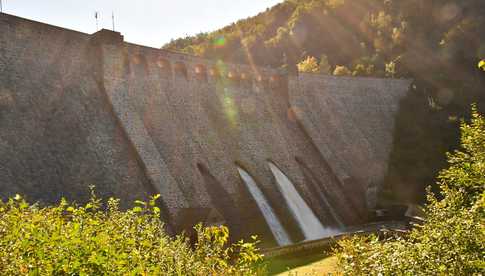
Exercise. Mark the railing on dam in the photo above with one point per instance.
(328, 242)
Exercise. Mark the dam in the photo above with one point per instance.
(82, 109)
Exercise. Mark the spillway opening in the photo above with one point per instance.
(140, 63)
(246, 79)
(165, 67)
(214, 72)
(275, 225)
(234, 78)
(308, 222)
(200, 72)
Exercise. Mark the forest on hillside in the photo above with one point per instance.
(437, 43)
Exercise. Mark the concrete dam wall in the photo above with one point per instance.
(79, 109)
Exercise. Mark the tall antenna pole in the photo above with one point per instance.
(96, 15)
(113, 19)
(1, 5)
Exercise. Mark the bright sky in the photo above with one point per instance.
(146, 22)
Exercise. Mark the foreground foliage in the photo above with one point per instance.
(88, 240)
(452, 241)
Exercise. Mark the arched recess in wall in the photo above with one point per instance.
(165, 67)
(180, 70)
(139, 63)
(261, 80)
(200, 72)
(246, 78)
(214, 72)
(275, 80)
(233, 77)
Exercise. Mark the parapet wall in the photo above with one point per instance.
(81, 109)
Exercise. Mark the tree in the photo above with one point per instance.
(93, 239)
(333, 4)
(391, 69)
(308, 65)
(342, 71)
(452, 240)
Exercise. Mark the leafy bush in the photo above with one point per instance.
(341, 71)
(92, 240)
(308, 65)
(452, 241)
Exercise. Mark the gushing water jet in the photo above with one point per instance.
(310, 225)
(270, 217)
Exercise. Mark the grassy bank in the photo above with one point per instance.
(309, 264)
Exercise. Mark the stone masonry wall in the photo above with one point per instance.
(57, 132)
(77, 109)
(351, 120)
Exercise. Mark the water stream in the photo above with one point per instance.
(273, 222)
(310, 225)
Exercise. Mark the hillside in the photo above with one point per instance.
(437, 43)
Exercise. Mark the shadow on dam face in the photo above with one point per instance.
(220, 197)
(319, 189)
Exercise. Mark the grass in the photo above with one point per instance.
(326, 266)
(314, 264)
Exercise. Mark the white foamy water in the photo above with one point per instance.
(273, 222)
(310, 225)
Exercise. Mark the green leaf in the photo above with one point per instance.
(140, 202)
(481, 65)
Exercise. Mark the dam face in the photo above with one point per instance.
(79, 109)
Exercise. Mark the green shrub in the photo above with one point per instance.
(97, 240)
(452, 241)
(342, 71)
(308, 65)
